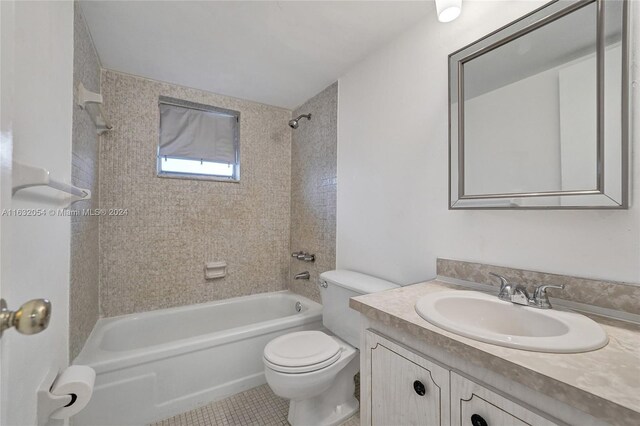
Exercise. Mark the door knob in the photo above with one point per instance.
(31, 318)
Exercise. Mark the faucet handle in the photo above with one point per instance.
(505, 287)
(540, 297)
(503, 280)
(301, 255)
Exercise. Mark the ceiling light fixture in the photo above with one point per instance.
(448, 10)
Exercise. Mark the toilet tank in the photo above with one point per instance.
(336, 287)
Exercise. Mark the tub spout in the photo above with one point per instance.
(302, 275)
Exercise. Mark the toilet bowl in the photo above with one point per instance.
(316, 372)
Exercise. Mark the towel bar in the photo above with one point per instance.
(25, 176)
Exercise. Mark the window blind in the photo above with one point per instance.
(197, 134)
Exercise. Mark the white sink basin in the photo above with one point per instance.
(488, 319)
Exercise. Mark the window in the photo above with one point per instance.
(198, 141)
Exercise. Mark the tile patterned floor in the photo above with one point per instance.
(256, 407)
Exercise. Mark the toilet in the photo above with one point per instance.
(315, 369)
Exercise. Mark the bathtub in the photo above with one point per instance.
(154, 365)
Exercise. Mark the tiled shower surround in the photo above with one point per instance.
(85, 253)
(313, 189)
(154, 256)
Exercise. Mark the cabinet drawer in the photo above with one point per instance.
(405, 389)
(475, 405)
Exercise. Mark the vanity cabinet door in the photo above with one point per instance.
(405, 389)
(475, 405)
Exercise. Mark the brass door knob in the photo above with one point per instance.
(31, 318)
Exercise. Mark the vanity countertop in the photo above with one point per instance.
(604, 383)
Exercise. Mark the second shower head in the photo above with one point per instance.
(296, 121)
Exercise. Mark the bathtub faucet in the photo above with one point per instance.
(302, 275)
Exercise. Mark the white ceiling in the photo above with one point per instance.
(278, 53)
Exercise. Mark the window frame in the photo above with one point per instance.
(235, 177)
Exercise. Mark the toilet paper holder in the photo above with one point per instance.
(49, 403)
(58, 406)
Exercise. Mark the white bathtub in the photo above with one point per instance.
(157, 364)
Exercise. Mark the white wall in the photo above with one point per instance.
(579, 117)
(509, 149)
(392, 217)
(35, 256)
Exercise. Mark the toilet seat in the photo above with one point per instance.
(301, 352)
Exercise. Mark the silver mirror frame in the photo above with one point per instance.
(597, 197)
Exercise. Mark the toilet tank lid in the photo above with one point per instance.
(355, 281)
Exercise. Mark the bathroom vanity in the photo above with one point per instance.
(415, 373)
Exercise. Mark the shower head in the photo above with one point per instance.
(296, 121)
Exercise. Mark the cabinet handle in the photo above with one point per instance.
(419, 388)
(478, 420)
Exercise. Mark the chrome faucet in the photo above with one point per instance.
(303, 275)
(518, 294)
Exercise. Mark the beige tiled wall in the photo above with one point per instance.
(313, 189)
(154, 256)
(83, 293)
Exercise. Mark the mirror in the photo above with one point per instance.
(538, 111)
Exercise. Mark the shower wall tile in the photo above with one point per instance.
(154, 256)
(313, 189)
(84, 280)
